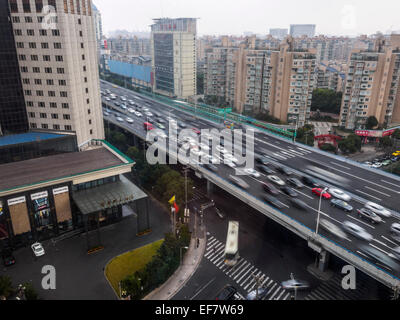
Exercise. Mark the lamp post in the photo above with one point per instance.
(319, 208)
(181, 253)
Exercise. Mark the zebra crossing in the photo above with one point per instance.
(244, 274)
(332, 290)
(197, 195)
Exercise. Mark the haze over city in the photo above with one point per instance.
(342, 17)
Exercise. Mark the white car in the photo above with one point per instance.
(230, 164)
(339, 194)
(138, 114)
(252, 172)
(211, 159)
(220, 149)
(130, 110)
(231, 158)
(129, 120)
(108, 99)
(239, 182)
(332, 228)
(149, 114)
(377, 165)
(204, 147)
(276, 180)
(377, 209)
(357, 231)
(37, 249)
(120, 119)
(145, 109)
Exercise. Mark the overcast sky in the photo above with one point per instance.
(234, 17)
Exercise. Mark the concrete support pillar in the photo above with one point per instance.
(210, 188)
(323, 261)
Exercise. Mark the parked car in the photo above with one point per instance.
(227, 293)
(37, 249)
(356, 231)
(369, 215)
(343, 205)
(289, 191)
(8, 258)
(378, 209)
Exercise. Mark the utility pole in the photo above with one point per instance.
(295, 288)
(185, 170)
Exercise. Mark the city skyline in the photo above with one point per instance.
(345, 18)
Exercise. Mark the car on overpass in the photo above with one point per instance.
(289, 191)
(119, 119)
(369, 215)
(332, 228)
(252, 172)
(148, 126)
(378, 256)
(378, 209)
(129, 120)
(318, 191)
(299, 204)
(395, 231)
(262, 160)
(295, 183)
(268, 187)
(357, 231)
(239, 182)
(310, 182)
(339, 194)
(284, 170)
(275, 179)
(343, 205)
(273, 201)
(265, 169)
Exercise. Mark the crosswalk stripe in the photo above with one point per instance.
(248, 277)
(287, 296)
(277, 290)
(253, 286)
(277, 298)
(237, 267)
(213, 245)
(245, 268)
(269, 291)
(244, 274)
(251, 281)
(214, 252)
(217, 255)
(210, 244)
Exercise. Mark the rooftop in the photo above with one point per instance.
(27, 137)
(40, 170)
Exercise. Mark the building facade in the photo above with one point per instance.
(13, 116)
(278, 33)
(372, 87)
(58, 64)
(300, 30)
(173, 43)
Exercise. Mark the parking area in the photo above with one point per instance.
(80, 275)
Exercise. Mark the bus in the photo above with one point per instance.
(232, 244)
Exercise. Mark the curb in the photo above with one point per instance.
(176, 273)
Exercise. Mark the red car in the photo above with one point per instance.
(325, 195)
(196, 131)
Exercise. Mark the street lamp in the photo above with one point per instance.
(319, 208)
(180, 250)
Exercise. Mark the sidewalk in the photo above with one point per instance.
(189, 266)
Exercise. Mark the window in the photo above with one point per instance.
(20, 45)
(27, 19)
(63, 94)
(41, 104)
(36, 69)
(57, 45)
(26, 6)
(30, 32)
(84, 68)
(50, 82)
(90, 121)
(22, 57)
(46, 58)
(60, 70)
(31, 115)
(85, 79)
(79, 21)
(45, 126)
(39, 93)
(18, 32)
(28, 92)
(39, 5)
(15, 19)
(43, 115)
(29, 103)
(45, 45)
(53, 3)
(88, 111)
(68, 128)
(86, 90)
(66, 117)
(13, 6)
(38, 81)
(43, 32)
(52, 93)
(59, 58)
(40, 19)
(33, 125)
(24, 69)
(48, 70)
(62, 82)
(25, 81)
(55, 33)
(54, 116)
(82, 45)
(83, 57)
(80, 34)
(53, 105)
(87, 101)
(32, 45)
(65, 106)
(91, 131)
(34, 57)
(56, 127)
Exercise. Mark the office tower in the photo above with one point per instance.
(372, 86)
(278, 33)
(300, 30)
(173, 44)
(98, 25)
(57, 51)
(253, 80)
(13, 117)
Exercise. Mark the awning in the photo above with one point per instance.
(107, 196)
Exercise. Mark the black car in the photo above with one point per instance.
(160, 120)
(262, 160)
(341, 205)
(8, 258)
(309, 182)
(117, 104)
(369, 215)
(227, 293)
(273, 201)
(295, 182)
(297, 203)
(289, 191)
(265, 169)
(284, 170)
(268, 187)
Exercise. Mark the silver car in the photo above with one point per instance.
(378, 209)
(239, 182)
(395, 231)
(332, 228)
(357, 231)
(339, 194)
(295, 284)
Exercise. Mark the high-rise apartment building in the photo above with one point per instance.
(58, 66)
(252, 80)
(372, 86)
(300, 30)
(173, 44)
(13, 117)
(278, 33)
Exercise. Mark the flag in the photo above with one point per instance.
(176, 207)
(172, 200)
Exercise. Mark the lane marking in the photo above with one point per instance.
(379, 249)
(396, 185)
(384, 244)
(368, 195)
(306, 195)
(361, 222)
(390, 241)
(339, 165)
(366, 187)
(205, 286)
